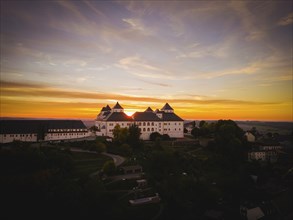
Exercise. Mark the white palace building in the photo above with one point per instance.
(163, 121)
(41, 130)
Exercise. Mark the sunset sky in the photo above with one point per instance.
(207, 59)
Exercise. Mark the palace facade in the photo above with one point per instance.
(163, 121)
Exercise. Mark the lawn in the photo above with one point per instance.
(87, 163)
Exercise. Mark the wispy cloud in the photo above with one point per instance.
(156, 83)
(140, 67)
(286, 20)
(136, 24)
(248, 20)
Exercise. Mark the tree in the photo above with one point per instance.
(228, 141)
(185, 130)
(202, 123)
(120, 134)
(101, 147)
(254, 132)
(154, 136)
(195, 132)
(134, 136)
(109, 167)
(157, 144)
(125, 149)
(270, 134)
(165, 137)
(94, 128)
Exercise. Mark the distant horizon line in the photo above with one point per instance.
(86, 119)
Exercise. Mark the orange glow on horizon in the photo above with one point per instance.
(88, 111)
(31, 101)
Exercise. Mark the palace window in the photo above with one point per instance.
(152, 129)
(143, 124)
(148, 124)
(148, 129)
(143, 129)
(152, 123)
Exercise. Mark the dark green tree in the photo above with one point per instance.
(134, 136)
(154, 136)
(202, 123)
(195, 132)
(109, 167)
(126, 150)
(120, 134)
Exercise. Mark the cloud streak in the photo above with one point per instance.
(13, 89)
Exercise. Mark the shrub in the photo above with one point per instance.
(109, 167)
(154, 136)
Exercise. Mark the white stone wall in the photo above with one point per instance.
(258, 155)
(148, 127)
(7, 138)
(174, 129)
(65, 135)
(277, 147)
(110, 125)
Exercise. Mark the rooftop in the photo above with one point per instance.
(117, 106)
(118, 116)
(167, 107)
(149, 110)
(34, 126)
(145, 116)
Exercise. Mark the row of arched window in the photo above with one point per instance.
(148, 129)
(146, 123)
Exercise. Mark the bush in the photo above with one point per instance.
(154, 136)
(109, 167)
(97, 147)
(125, 149)
(165, 137)
(101, 147)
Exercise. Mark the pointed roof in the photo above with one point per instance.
(167, 107)
(117, 106)
(103, 109)
(107, 108)
(149, 110)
